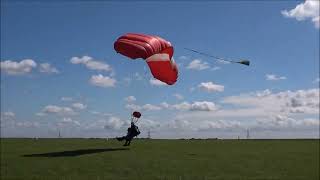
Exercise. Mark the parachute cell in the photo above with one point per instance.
(156, 51)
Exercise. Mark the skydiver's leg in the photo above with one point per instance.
(121, 138)
(126, 143)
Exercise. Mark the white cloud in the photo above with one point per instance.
(311, 122)
(79, 106)
(305, 11)
(215, 68)
(183, 58)
(47, 68)
(115, 123)
(261, 110)
(156, 82)
(66, 99)
(164, 105)
(146, 107)
(9, 114)
(195, 106)
(27, 124)
(6, 116)
(218, 124)
(183, 106)
(263, 93)
(301, 101)
(316, 21)
(203, 106)
(273, 77)
(316, 81)
(137, 76)
(178, 96)
(210, 87)
(204, 125)
(68, 120)
(133, 107)
(17, 68)
(130, 99)
(52, 109)
(148, 124)
(102, 81)
(197, 64)
(283, 121)
(150, 107)
(90, 63)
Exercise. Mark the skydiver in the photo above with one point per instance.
(133, 131)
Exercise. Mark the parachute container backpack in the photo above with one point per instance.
(156, 51)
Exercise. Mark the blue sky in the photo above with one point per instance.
(281, 39)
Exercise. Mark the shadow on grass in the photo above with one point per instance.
(78, 152)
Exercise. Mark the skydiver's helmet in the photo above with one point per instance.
(135, 116)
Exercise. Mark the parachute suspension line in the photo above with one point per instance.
(134, 119)
(245, 62)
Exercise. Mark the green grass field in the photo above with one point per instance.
(97, 159)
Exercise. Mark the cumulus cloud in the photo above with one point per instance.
(148, 124)
(156, 82)
(308, 10)
(115, 123)
(6, 117)
(52, 109)
(183, 106)
(150, 107)
(265, 103)
(211, 87)
(311, 122)
(17, 68)
(316, 81)
(90, 63)
(146, 107)
(8, 114)
(203, 106)
(27, 124)
(47, 68)
(284, 121)
(263, 93)
(218, 124)
(178, 96)
(130, 99)
(79, 106)
(195, 106)
(68, 120)
(206, 125)
(273, 77)
(102, 81)
(197, 64)
(133, 107)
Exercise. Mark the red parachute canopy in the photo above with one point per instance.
(156, 51)
(136, 114)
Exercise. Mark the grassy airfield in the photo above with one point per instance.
(97, 159)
